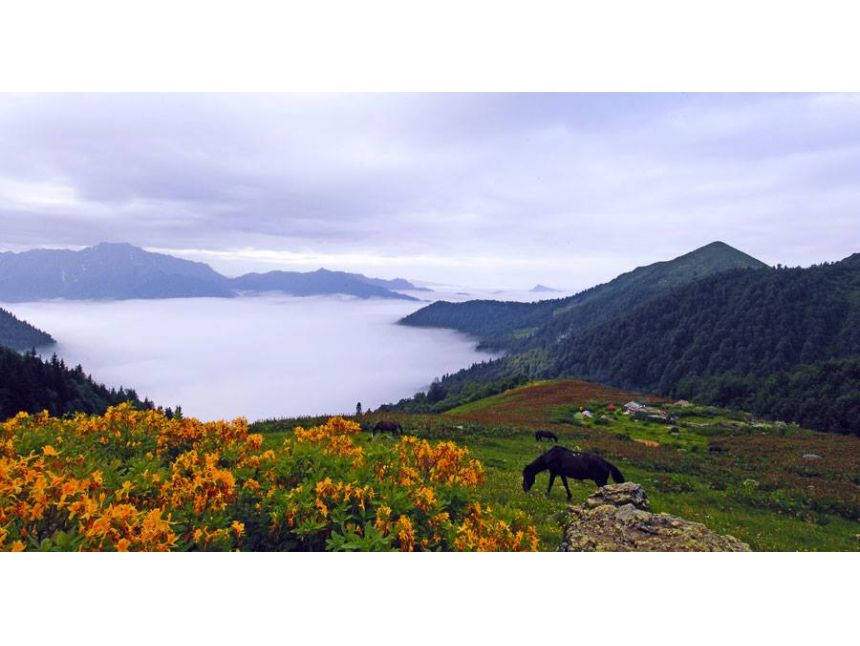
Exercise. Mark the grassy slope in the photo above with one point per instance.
(757, 488)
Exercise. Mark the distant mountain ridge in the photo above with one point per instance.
(537, 289)
(319, 282)
(398, 284)
(123, 271)
(104, 271)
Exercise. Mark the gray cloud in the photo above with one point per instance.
(565, 189)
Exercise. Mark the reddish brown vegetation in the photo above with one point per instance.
(533, 404)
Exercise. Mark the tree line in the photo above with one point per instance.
(30, 384)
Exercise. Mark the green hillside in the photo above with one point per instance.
(518, 326)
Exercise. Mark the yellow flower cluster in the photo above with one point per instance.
(416, 471)
(198, 479)
(328, 491)
(444, 463)
(334, 437)
(480, 532)
(136, 480)
(54, 492)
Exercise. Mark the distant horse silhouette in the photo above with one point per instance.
(384, 426)
(564, 462)
(546, 435)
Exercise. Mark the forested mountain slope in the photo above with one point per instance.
(20, 335)
(30, 384)
(745, 322)
(736, 339)
(518, 326)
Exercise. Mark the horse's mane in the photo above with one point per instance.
(535, 465)
(540, 463)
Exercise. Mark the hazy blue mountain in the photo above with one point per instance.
(121, 271)
(515, 326)
(321, 281)
(104, 271)
(397, 284)
(537, 289)
(20, 335)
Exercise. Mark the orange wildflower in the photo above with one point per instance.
(406, 534)
(199, 473)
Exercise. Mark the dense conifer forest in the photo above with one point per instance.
(31, 384)
(20, 335)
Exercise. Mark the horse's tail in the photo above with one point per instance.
(616, 474)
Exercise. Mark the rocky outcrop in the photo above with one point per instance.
(617, 518)
(628, 493)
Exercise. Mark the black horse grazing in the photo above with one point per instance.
(564, 462)
(546, 435)
(384, 426)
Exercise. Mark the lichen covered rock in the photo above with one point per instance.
(627, 493)
(617, 518)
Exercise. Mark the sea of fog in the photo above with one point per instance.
(256, 357)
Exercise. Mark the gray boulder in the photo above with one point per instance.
(617, 518)
(626, 493)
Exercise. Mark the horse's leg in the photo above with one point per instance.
(551, 481)
(566, 488)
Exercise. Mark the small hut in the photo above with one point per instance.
(634, 407)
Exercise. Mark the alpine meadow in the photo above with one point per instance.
(429, 322)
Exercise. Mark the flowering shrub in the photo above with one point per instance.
(136, 480)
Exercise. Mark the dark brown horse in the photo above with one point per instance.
(546, 435)
(385, 426)
(566, 463)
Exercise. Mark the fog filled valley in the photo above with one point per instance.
(254, 357)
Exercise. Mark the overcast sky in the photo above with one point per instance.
(479, 190)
